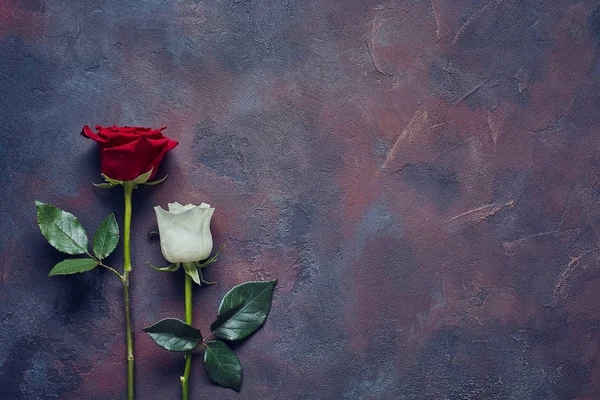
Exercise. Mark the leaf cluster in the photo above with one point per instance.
(66, 234)
(243, 310)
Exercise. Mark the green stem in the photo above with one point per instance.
(128, 187)
(188, 299)
(185, 379)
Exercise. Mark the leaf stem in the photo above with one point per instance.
(100, 263)
(205, 340)
(185, 379)
(128, 188)
(113, 270)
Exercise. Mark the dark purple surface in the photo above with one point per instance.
(421, 176)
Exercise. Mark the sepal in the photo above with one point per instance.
(143, 178)
(109, 182)
(156, 182)
(212, 259)
(104, 185)
(140, 180)
(193, 271)
(170, 268)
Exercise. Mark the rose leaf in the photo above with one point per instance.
(106, 237)
(174, 335)
(243, 310)
(222, 365)
(61, 229)
(73, 266)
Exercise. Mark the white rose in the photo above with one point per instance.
(185, 232)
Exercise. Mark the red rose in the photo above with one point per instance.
(128, 152)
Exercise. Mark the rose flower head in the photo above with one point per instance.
(185, 232)
(128, 152)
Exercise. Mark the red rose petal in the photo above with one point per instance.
(128, 152)
(166, 145)
(89, 133)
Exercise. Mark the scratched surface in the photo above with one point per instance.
(421, 176)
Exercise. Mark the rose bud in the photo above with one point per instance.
(185, 232)
(128, 152)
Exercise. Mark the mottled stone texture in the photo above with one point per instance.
(422, 177)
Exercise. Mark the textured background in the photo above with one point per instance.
(421, 176)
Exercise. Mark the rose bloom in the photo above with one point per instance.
(185, 232)
(128, 152)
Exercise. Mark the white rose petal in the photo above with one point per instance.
(178, 208)
(185, 232)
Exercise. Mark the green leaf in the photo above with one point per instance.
(73, 266)
(143, 178)
(222, 365)
(174, 335)
(106, 237)
(61, 229)
(243, 310)
(192, 270)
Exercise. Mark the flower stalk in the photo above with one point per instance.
(128, 188)
(185, 378)
(129, 156)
